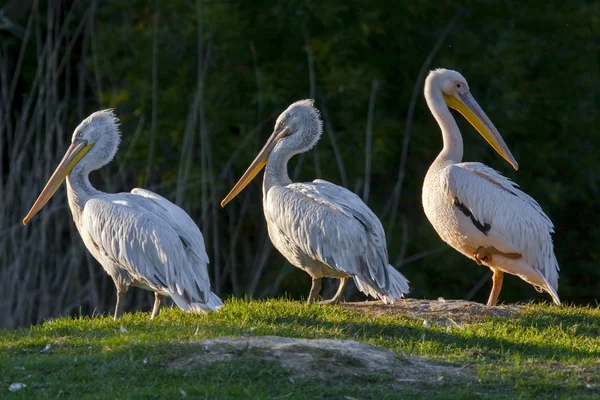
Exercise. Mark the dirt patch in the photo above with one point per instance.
(439, 311)
(325, 359)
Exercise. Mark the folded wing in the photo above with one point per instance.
(334, 226)
(503, 214)
(156, 242)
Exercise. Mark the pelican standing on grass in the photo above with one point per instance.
(474, 208)
(321, 228)
(140, 238)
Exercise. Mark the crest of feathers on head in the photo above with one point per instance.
(105, 120)
(309, 104)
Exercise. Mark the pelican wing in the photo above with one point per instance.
(503, 215)
(334, 226)
(156, 242)
(181, 222)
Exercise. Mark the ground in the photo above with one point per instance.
(267, 350)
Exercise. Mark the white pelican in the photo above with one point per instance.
(321, 228)
(140, 238)
(474, 208)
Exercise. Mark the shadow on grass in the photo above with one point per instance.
(142, 370)
(457, 340)
(578, 322)
(398, 334)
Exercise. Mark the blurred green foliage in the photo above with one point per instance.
(533, 66)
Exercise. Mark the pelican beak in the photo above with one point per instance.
(468, 107)
(75, 153)
(259, 162)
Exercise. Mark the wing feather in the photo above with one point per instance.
(154, 241)
(334, 226)
(180, 221)
(516, 220)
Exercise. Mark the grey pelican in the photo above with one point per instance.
(140, 238)
(321, 228)
(475, 209)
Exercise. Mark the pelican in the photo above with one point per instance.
(475, 209)
(321, 228)
(140, 238)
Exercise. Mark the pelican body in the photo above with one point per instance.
(475, 209)
(321, 228)
(140, 238)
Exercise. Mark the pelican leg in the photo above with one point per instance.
(121, 297)
(336, 299)
(315, 289)
(484, 254)
(497, 279)
(156, 308)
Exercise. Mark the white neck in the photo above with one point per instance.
(452, 152)
(276, 170)
(79, 191)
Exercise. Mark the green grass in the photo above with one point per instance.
(545, 352)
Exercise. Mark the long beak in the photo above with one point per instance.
(259, 162)
(75, 153)
(468, 107)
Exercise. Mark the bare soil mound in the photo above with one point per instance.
(436, 311)
(325, 359)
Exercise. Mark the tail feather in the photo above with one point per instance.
(548, 288)
(214, 303)
(398, 287)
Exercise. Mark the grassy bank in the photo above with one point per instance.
(538, 352)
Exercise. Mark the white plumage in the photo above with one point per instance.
(140, 238)
(319, 227)
(474, 208)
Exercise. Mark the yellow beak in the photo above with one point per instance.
(259, 162)
(468, 107)
(75, 153)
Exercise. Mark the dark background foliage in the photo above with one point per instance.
(198, 85)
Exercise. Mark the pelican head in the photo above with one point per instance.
(94, 144)
(297, 130)
(456, 94)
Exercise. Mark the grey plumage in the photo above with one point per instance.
(334, 235)
(319, 227)
(140, 238)
(155, 245)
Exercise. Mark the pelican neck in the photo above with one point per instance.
(276, 173)
(79, 191)
(452, 151)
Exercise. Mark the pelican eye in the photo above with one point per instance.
(458, 85)
(282, 127)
